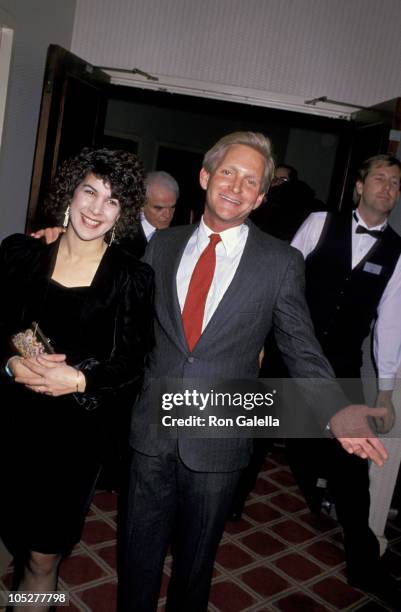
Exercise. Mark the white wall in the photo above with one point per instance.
(345, 49)
(38, 23)
(348, 50)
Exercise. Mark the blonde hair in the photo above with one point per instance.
(255, 140)
(383, 159)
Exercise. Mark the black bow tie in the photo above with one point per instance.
(364, 230)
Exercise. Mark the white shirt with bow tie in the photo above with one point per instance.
(387, 330)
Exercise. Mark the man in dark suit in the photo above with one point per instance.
(183, 488)
(161, 196)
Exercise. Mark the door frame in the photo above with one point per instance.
(60, 65)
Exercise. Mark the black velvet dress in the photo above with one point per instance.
(52, 448)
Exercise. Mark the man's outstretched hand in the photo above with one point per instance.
(49, 234)
(351, 428)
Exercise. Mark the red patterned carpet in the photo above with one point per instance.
(279, 557)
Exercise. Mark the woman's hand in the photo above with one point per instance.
(17, 367)
(49, 234)
(49, 374)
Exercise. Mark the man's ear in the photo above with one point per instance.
(204, 178)
(259, 200)
(359, 187)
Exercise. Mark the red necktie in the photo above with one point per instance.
(199, 285)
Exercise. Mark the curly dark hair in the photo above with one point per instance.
(120, 169)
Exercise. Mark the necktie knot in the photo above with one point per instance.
(360, 229)
(214, 239)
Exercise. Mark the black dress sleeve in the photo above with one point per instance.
(133, 339)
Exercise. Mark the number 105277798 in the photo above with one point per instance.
(26, 598)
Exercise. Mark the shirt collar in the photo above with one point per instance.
(146, 226)
(229, 237)
(359, 221)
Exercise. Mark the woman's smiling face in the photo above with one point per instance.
(93, 210)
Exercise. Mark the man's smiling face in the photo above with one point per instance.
(233, 187)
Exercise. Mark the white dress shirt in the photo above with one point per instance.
(147, 227)
(228, 255)
(387, 330)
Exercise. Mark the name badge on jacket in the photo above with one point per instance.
(372, 268)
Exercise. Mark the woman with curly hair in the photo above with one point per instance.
(93, 300)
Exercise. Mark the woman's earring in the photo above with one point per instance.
(113, 235)
(66, 217)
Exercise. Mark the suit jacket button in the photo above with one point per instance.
(190, 359)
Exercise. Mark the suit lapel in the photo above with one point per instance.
(172, 259)
(231, 300)
(237, 290)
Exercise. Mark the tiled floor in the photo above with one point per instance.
(279, 557)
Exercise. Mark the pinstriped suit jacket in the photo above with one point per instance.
(267, 290)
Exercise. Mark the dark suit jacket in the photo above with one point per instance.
(115, 326)
(267, 290)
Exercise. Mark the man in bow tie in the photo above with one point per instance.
(353, 279)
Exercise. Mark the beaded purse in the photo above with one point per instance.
(32, 342)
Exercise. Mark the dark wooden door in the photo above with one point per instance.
(72, 116)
